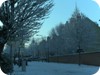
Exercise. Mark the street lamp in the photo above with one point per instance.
(79, 51)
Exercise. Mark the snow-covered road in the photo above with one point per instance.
(43, 68)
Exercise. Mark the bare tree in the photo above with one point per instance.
(22, 18)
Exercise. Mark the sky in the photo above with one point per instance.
(63, 9)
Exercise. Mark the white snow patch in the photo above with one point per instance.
(1, 24)
(43, 68)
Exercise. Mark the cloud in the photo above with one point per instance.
(1, 1)
(98, 2)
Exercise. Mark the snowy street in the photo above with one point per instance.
(43, 68)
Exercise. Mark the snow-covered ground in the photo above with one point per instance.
(43, 68)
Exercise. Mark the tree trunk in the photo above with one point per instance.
(1, 48)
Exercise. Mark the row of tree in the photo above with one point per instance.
(79, 32)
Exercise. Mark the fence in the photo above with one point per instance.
(85, 58)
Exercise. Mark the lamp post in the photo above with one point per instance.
(79, 51)
(48, 38)
(79, 38)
